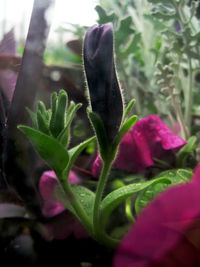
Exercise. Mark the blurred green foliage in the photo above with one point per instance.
(148, 33)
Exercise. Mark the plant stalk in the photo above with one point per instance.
(75, 202)
(101, 185)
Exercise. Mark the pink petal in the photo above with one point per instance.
(47, 185)
(149, 138)
(96, 167)
(161, 229)
(196, 175)
(63, 225)
(61, 222)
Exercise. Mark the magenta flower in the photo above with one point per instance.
(61, 222)
(149, 138)
(167, 232)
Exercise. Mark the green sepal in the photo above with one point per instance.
(128, 109)
(64, 136)
(100, 133)
(112, 200)
(124, 129)
(48, 148)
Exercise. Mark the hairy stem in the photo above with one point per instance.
(99, 193)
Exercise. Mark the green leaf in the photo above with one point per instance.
(64, 135)
(53, 116)
(132, 45)
(185, 174)
(186, 150)
(75, 151)
(103, 17)
(146, 195)
(42, 123)
(42, 108)
(48, 148)
(159, 1)
(175, 176)
(124, 30)
(100, 133)
(112, 200)
(60, 112)
(163, 16)
(84, 196)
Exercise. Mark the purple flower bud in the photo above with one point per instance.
(104, 89)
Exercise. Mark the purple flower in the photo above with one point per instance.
(167, 232)
(61, 223)
(149, 138)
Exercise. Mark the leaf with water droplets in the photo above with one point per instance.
(146, 195)
(86, 198)
(116, 197)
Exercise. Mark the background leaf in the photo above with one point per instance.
(8, 210)
(18, 157)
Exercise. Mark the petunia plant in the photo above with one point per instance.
(123, 143)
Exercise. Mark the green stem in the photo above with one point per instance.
(63, 178)
(128, 210)
(99, 193)
(189, 92)
(189, 97)
(99, 233)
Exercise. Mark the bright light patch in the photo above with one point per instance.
(17, 14)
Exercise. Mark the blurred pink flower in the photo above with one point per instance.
(149, 138)
(61, 222)
(167, 232)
